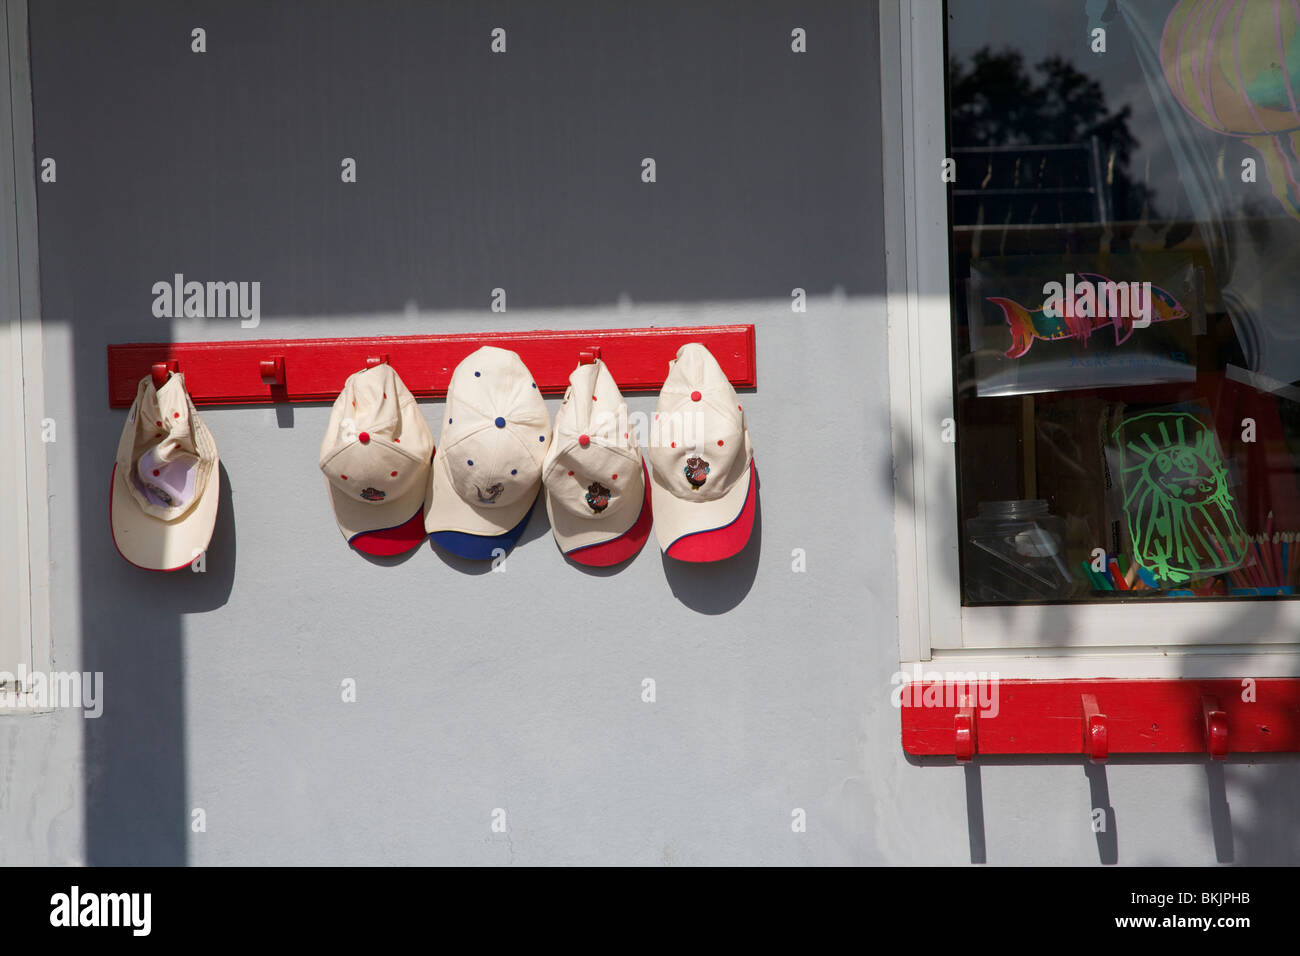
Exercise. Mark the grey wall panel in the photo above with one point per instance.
(519, 690)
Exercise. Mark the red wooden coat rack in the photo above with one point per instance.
(1098, 718)
(268, 371)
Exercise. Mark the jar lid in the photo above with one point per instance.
(1034, 508)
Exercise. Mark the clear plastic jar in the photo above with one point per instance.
(1015, 551)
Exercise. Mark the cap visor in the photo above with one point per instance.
(390, 541)
(380, 529)
(606, 546)
(481, 547)
(156, 545)
(706, 530)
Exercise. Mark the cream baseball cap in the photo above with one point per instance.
(488, 471)
(703, 483)
(375, 457)
(597, 495)
(166, 480)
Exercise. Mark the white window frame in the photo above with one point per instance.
(1115, 639)
(25, 643)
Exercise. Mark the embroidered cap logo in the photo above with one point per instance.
(697, 472)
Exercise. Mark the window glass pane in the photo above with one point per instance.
(1125, 210)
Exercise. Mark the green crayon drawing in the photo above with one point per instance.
(1175, 484)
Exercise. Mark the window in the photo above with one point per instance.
(1096, 396)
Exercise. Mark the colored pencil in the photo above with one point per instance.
(1257, 567)
(1239, 555)
(1233, 575)
(1262, 562)
(1274, 571)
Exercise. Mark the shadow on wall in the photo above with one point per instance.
(474, 171)
(136, 811)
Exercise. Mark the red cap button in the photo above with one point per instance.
(364, 437)
(584, 440)
(696, 396)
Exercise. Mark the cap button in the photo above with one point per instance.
(584, 440)
(696, 396)
(500, 422)
(364, 438)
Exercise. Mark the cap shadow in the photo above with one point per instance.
(388, 560)
(189, 589)
(718, 586)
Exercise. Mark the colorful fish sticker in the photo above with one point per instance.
(1104, 297)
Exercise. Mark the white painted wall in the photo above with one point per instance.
(518, 690)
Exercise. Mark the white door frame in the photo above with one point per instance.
(24, 509)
